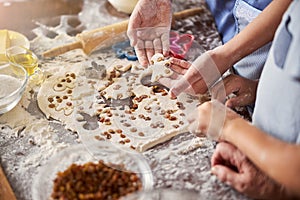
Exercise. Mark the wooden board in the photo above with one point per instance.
(6, 193)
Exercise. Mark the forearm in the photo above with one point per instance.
(277, 159)
(258, 33)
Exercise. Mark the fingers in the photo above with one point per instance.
(233, 102)
(148, 41)
(243, 89)
(157, 45)
(149, 48)
(202, 69)
(141, 53)
(199, 87)
(179, 66)
(132, 37)
(223, 88)
(180, 86)
(209, 120)
(226, 174)
(165, 43)
(146, 50)
(187, 81)
(223, 152)
(226, 162)
(180, 63)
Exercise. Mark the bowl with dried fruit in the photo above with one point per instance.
(13, 81)
(104, 171)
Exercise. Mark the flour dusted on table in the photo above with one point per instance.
(115, 105)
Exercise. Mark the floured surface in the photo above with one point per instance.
(129, 113)
(28, 138)
(115, 106)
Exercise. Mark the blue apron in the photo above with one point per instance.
(277, 107)
(231, 17)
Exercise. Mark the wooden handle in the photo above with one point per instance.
(5, 190)
(187, 13)
(90, 40)
(62, 49)
(94, 38)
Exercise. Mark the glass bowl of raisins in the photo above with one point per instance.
(102, 171)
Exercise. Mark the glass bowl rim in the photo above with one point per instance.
(146, 175)
(24, 82)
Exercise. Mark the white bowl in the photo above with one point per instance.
(101, 150)
(13, 80)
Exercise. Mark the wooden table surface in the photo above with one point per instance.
(5, 190)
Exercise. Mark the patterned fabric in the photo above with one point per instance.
(224, 17)
(251, 66)
(231, 17)
(277, 104)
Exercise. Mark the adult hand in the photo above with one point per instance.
(211, 119)
(197, 76)
(243, 89)
(231, 166)
(149, 28)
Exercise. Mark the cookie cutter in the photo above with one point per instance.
(124, 50)
(180, 44)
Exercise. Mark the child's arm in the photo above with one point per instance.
(258, 33)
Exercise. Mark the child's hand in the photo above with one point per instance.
(197, 77)
(180, 67)
(243, 89)
(211, 119)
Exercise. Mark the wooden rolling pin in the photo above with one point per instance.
(5, 190)
(90, 40)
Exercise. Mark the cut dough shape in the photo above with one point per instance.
(158, 68)
(142, 118)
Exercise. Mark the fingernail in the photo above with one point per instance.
(174, 92)
(228, 183)
(165, 52)
(171, 94)
(213, 170)
(228, 104)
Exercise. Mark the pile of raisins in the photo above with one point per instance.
(95, 181)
